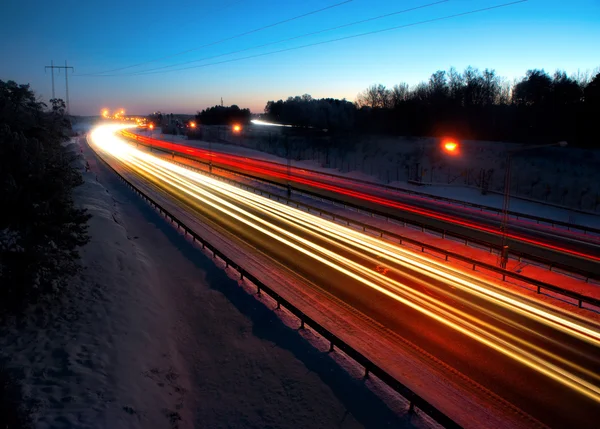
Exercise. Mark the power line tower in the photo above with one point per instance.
(51, 67)
(66, 67)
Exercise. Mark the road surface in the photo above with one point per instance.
(541, 360)
(575, 249)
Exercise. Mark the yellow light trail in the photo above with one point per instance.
(204, 189)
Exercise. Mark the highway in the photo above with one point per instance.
(559, 245)
(540, 359)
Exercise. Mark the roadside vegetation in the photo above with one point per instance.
(41, 230)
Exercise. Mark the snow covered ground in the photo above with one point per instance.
(152, 334)
(372, 171)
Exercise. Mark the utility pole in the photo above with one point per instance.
(51, 67)
(67, 83)
(66, 67)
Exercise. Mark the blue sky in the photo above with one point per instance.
(96, 37)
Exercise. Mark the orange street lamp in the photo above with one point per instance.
(193, 124)
(151, 126)
(237, 128)
(450, 146)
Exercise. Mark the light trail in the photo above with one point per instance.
(319, 236)
(266, 168)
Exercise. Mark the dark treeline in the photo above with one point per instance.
(40, 227)
(305, 111)
(223, 115)
(473, 104)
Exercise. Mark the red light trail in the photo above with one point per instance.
(244, 164)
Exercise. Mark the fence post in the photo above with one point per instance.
(301, 324)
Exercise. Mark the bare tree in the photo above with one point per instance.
(420, 92)
(438, 88)
(504, 93)
(473, 87)
(399, 93)
(377, 95)
(490, 87)
(456, 86)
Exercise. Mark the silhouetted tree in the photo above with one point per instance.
(224, 115)
(40, 228)
(534, 89)
(566, 91)
(399, 94)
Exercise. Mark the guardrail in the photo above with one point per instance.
(415, 401)
(539, 285)
(520, 256)
(517, 215)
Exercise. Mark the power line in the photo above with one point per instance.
(66, 67)
(387, 15)
(428, 21)
(256, 30)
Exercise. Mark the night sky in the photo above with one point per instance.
(98, 38)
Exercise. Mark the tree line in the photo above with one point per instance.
(224, 115)
(41, 229)
(474, 104)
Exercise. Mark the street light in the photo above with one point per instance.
(210, 153)
(450, 146)
(151, 126)
(506, 204)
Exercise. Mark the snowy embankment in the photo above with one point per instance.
(147, 337)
